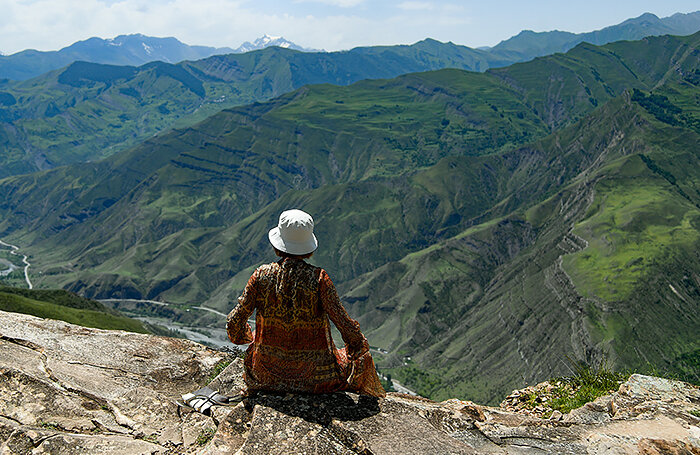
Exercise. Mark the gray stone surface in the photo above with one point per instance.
(65, 389)
(68, 389)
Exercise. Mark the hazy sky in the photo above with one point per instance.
(321, 24)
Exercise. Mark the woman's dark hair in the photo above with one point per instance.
(283, 254)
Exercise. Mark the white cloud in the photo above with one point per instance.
(416, 6)
(339, 3)
(320, 24)
(53, 24)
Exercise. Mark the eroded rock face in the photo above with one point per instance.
(66, 389)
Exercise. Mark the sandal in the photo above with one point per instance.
(203, 399)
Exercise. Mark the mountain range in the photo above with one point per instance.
(528, 44)
(88, 111)
(93, 110)
(268, 41)
(129, 50)
(135, 50)
(491, 222)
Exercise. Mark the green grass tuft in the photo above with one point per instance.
(205, 436)
(221, 366)
(152, 438)
(50, 426)
(587, 383)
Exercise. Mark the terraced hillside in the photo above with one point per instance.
(473, 222)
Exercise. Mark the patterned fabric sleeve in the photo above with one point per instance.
(237, 321)
(349, 328)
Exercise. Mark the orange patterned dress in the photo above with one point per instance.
(292, 349)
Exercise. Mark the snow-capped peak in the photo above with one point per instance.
(270, 40)
(267, 39)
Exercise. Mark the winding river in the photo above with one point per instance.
(15, 250)
(215, 336)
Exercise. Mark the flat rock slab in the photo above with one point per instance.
(66, 389)
(69, 389)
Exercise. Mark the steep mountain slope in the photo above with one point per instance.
(414, 120)
(445, 209)
(391, 127)
(528, 44)
(606, 266)
(199, 178)
(562, 87)
(88, 111)
(266, 150)
(123, 50)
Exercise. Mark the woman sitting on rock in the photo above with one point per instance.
(292, 349)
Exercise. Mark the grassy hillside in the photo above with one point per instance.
(66, 306)
(475, 223)
(564, 87)
(510, 299)
(417, 120)
(194, 183)
(88, 111)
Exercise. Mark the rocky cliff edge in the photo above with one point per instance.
(66, 389)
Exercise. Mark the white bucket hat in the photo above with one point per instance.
(294, 233)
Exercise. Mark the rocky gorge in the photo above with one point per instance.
(71, 390)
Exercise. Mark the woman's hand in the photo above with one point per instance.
(356, 352)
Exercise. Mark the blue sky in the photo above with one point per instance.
(321, 24)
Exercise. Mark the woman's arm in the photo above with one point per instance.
(349, 328)
(237, 325)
